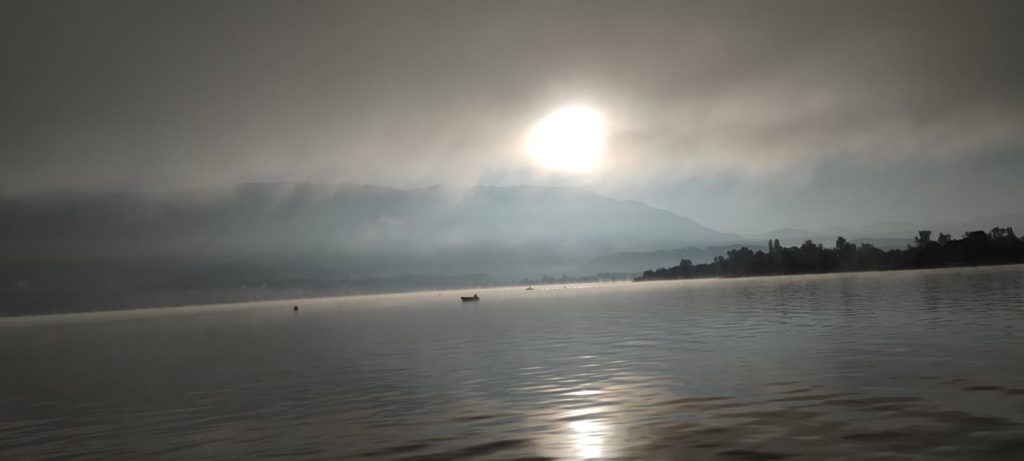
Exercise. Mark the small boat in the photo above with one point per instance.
(470, 298)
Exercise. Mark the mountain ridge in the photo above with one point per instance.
(365, 224)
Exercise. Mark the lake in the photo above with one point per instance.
(891, 365)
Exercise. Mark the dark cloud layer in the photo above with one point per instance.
(102, 95)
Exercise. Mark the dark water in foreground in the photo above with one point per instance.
(904, 365)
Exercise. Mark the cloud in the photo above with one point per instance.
(146, 95)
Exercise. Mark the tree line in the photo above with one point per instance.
(976, 248)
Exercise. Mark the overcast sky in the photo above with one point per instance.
(745, 116)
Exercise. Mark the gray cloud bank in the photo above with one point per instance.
(108, 95)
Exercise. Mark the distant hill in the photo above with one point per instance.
(639, 261)
(315, 235)
(789, 233)
(261, 219)
(1015, 221)
(891, 234)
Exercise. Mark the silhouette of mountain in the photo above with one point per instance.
(981, 222)
(313, 235)
(890, 234)
(883, 229)
(349, 218)
(638, 261)
(789, 233)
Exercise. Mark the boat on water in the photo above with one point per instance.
(470, 298)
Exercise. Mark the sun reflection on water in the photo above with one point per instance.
(588, 438)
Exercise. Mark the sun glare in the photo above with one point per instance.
(569, 140)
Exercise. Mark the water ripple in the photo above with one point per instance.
(902, 365)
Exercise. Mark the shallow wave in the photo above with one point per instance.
(908, 365)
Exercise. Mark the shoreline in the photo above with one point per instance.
(906, 269)
(191, 309)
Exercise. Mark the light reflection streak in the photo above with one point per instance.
(588, 438)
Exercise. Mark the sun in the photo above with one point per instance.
(570, 139)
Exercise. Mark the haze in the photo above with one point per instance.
(268, 141)
(512, 229)
(783, 113)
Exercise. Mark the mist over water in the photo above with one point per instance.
(167, 158)
(845, 366)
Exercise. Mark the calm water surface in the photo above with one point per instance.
(900, 365)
